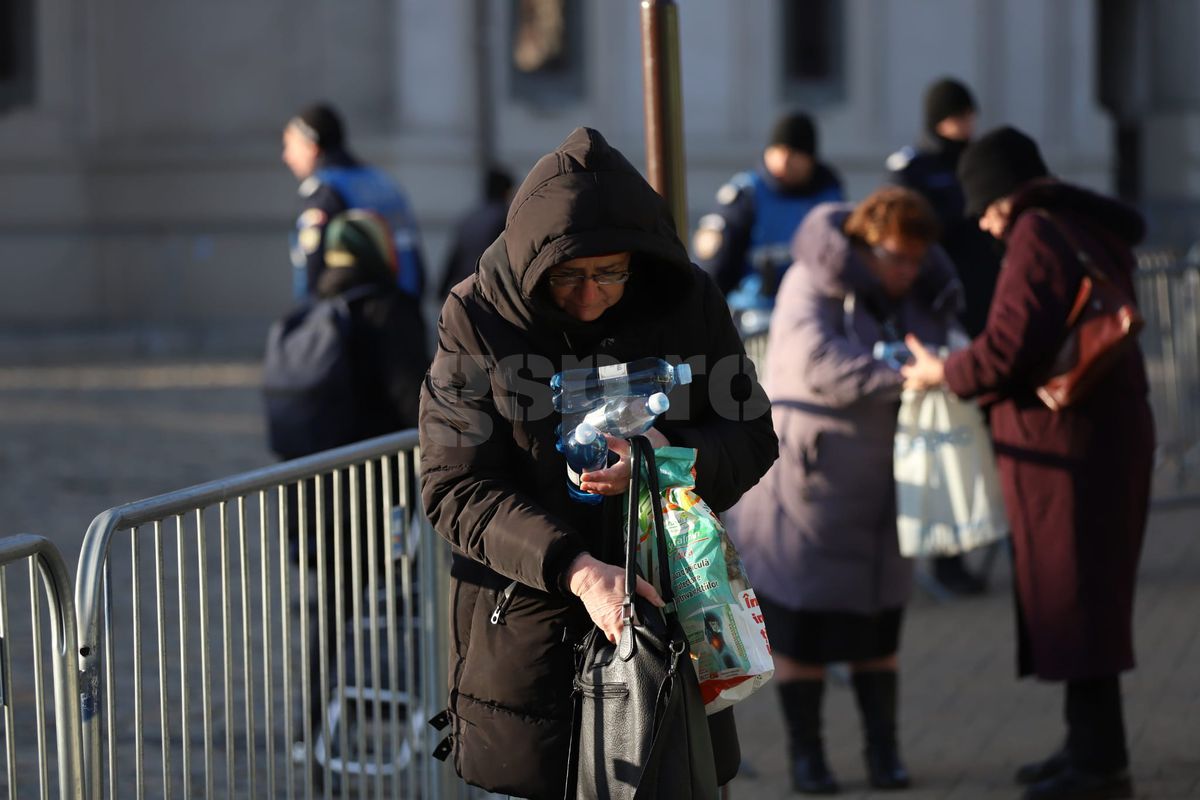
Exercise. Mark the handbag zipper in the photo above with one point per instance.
(503, 601)
(601, 689)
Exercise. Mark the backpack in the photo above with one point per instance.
(308, 377)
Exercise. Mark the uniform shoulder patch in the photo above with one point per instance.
(728, 193)
(309, 186)
(901, 158)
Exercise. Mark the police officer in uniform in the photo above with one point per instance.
(930, 167)
(746, 243)
(333, 181)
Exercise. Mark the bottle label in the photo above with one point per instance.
(573, 476)
(613, 371)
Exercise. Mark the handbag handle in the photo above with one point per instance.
(642, 456)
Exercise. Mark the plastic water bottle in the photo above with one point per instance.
(627, 416)
(585, 450)
(581, 390)
(894, 354)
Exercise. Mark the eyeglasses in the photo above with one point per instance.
(571, 280)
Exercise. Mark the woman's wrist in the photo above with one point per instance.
(575, 578)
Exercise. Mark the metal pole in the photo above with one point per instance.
(663, 103)
(664, 107)
(485, 121)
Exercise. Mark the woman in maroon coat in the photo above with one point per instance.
(1076, 481)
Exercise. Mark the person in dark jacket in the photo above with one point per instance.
(389, 351)
(388, 359)
(744, 243)
(929, 167)
(818, 534)
(1076, 481)
(333, 181)
(478, 228)
(589, 270)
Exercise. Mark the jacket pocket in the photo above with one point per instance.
(517, 656)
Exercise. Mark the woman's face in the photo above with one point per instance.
(587, 287)
(896, 262)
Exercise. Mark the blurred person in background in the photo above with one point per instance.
(333, 181)
(388, 358)
(744, 244)
(818, 533)
(477, 229)
(390, 353)
(1076, 480)
(929, 167)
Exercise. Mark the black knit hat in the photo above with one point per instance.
(946, 98)
(795, 131)
(996, 165)
(321, 124)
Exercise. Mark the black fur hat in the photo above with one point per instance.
(946, 98)
(996, 165)
(797, 132)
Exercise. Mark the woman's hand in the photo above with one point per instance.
(614, 480)
(925, 371)
(601, 587)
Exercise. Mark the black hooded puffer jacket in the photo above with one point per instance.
(493, 483)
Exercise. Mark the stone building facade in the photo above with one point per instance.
(139, 142)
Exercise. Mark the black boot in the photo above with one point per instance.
(876, 694)
(801, 702)
(1093, 765)
(1073, 783)
(1038, 771)
(952, 573)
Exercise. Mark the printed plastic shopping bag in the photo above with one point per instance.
(948, 496)
(715, 603)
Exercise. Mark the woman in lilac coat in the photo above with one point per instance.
(818, 533)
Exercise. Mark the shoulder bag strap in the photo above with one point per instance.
(641, 456)
(1081, 253)
(660, 535)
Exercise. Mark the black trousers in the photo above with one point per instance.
(1096, 724)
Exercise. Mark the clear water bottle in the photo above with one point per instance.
(585, 450)
(627, 416)
(582, 390)
(894, 354)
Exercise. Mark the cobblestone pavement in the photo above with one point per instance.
(77, 439)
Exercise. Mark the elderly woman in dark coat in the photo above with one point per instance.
(1076, 480)
(589, 269)
(818, 534)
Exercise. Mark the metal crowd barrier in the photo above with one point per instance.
(45, 567)
(224, 654)
(1169, 299)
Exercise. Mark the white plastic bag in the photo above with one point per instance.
(948, 496)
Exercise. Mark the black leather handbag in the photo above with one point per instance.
(641, 731)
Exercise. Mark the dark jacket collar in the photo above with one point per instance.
(821, 179)
(948, 150)
(1055, 196)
